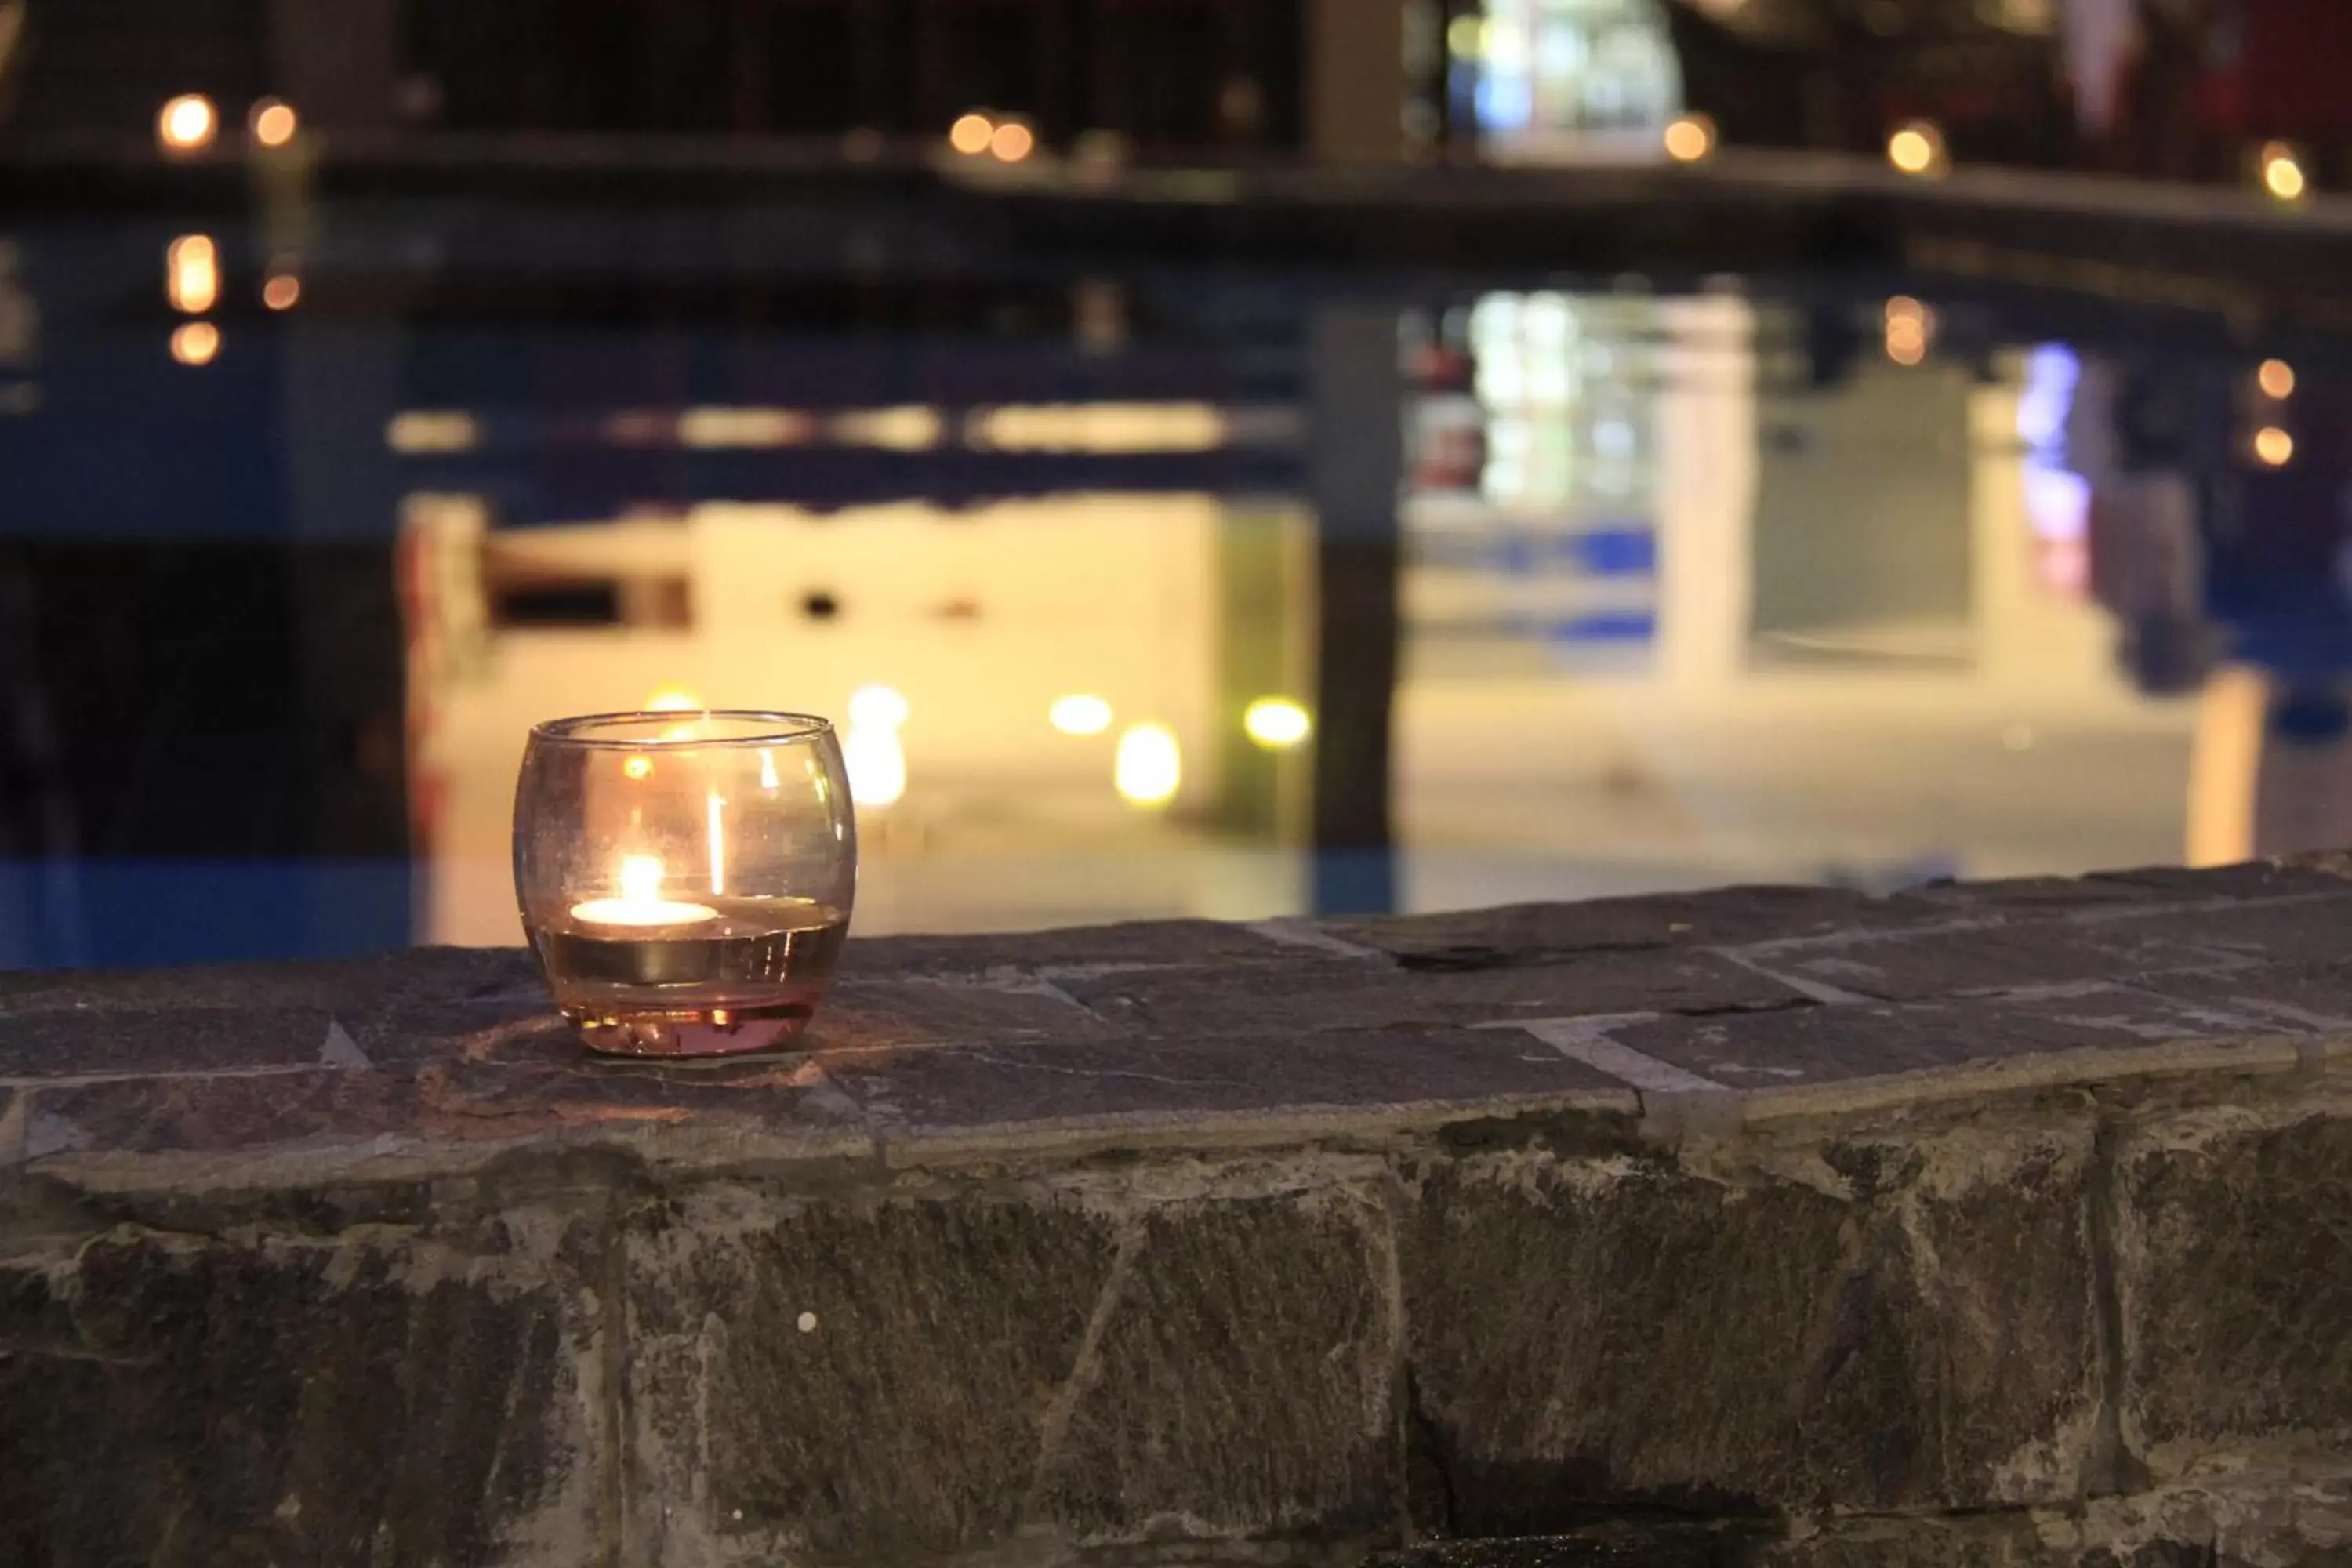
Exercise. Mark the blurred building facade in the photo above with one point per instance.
(2172, 87)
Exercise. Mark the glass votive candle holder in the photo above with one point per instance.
(685, 878)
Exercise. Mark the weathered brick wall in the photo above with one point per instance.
(1996, 1223)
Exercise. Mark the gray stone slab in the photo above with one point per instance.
(907, 1417)
(2292, 876)
(1141, 942)
(319, 1108)
(1314, 994)
(2293, 930)
(337, 1114)
(1244, 1380)
(871, 1014)
(2235, 1276)
(386, 1399)
(1522, 933)
(887, 1381)
(1793, 1049)
(2026, 896)
(151, 1042)
(2288, 999)
(1914, 1331)
(1929, 963)
(350, 986)
(963, 1089)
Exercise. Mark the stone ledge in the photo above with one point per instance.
(1759, 1209)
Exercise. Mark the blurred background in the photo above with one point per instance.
(1221, 457)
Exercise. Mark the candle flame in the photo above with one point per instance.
(641, 878)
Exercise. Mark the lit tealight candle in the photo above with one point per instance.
(640, 903)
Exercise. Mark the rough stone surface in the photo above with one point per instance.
(904, 1421)
(393, 1400)
(1780, 1050)
(1536, 933)
(959, 1088)
(1315, 993)
(2237, 1282)
(1993, 1224)
(1244, 1377)
(1873, 1325)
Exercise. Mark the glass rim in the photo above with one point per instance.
(771, 727)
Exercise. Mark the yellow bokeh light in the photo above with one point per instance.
(674, 699)
(2277, 378)
(273, 122)
(1276, 723)
(187, 123)
(282, 291)
(1917, 149)
(2274, 445)
(417, 430)
(1011, 143)
(1149, 767)
(1910, 326)
(192, 274)
(877, 708)
(1690, 139)
(971, 133)
(876, 763)
(638, 768)
(1080, 714)
(2283, 175)
(195, 342)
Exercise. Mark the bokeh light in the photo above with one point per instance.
(195, 342)
(2282, 172)
(1690, 139)
(1012, 141)
(1276, 723)
(1149, 767)
(1080, 714)
(272, 123)
(971, 134)
(187, 123)
(1916, 147)
(192, 274)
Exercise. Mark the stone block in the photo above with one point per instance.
(2235, 1272)
(1892, 1325)
(392, 1400)
(907, 1417)
(943, 1374)
(2305, 930)
(870, 1014)
(2284, 998)
(152, 1041)
(240, 1113)
(2322, 873)
(1538, 934)
(1312, 995)
(1137, 945)
(954, 1089)
(1801, 1047)
(1243, 1383)
(1981, 958)
(348, 985)
(2029, 896)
